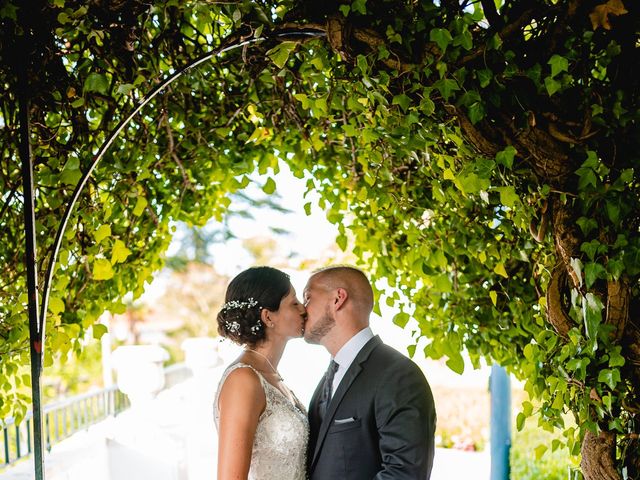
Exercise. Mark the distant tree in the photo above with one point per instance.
(482, 155)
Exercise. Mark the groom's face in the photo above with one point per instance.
(320, 320)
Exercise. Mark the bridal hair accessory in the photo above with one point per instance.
(233, 304)
(233, 326)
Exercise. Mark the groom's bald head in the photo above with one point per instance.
(352, 280)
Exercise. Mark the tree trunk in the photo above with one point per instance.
(598, 456)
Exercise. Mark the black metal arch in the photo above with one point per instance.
(37, 313)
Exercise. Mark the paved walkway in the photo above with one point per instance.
(452, 464)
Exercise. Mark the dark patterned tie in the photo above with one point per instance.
(325, 397)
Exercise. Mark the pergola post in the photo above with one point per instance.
(36, 334)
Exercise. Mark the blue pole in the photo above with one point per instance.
(500, 388)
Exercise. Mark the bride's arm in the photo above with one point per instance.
(240, 404)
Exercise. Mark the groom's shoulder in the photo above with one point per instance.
(392, 357)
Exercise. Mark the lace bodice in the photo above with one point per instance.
(280, 445)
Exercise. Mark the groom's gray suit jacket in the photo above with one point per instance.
(380, 423)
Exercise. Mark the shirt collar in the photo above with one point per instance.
(350, 350)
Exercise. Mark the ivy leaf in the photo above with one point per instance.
(592, 311)
(520, 419)
(119, 253)
(96, 82)
(102, 269)
(552, 85)
(99, 330)
(476, 112)
(402, 100)
(494, 297)
(500, 270)
(508, 196)
(506, 156)
(141, 204)
(592, 272)
(484, 77)
(102, 232)
(280, 53)
(558, 64)
(539, 451)
(401, 319)
(456, 363)
(442, 37)
(269, 187)
(446, 86)
(609, 376)
(56, 305)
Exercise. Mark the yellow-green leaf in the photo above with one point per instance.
(269, 187)
(102, 269)
(102, 232)
(141, 204)
(56, 305)
(499, 269)
(120, 252)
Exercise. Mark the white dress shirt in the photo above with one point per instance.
(347, 354)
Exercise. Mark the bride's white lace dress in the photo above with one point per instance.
(280, 446)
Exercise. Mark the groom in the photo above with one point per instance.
(372, 415)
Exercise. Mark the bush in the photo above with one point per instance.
(552, 465)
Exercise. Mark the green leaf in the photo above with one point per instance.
(592, 313)
(558, 64)
(141, 204)
(476, 112)
(402, 100)
(520, 419)
(103, 231)
(120, 252)
(401, 319)
(508, 196)
(494, 297)
(456, 363)
(615, 359)
(484, 77)
(500, 270)
(506, 156)
(540, 451)
(592, 272)
(280, 53)
(96, 82)
(98, 330)
(552, 85)
(269, 187)
(102, 269)
(442, 37)
(446, 87)
(125, 88)
(609, 376)
(56, 305)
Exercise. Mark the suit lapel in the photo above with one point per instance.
(349, 377)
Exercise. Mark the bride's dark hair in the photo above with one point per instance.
(247, 294)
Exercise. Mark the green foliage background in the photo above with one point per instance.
(446, 140)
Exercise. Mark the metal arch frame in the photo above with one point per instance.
(37, 316)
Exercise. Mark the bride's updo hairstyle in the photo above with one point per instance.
(247, 294)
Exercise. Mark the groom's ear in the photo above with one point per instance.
(340, 298)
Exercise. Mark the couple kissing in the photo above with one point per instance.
(372, 415)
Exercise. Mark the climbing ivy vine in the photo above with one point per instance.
(480, 156)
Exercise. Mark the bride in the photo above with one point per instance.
(262, 427)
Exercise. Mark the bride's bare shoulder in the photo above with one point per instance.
(242, 384)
